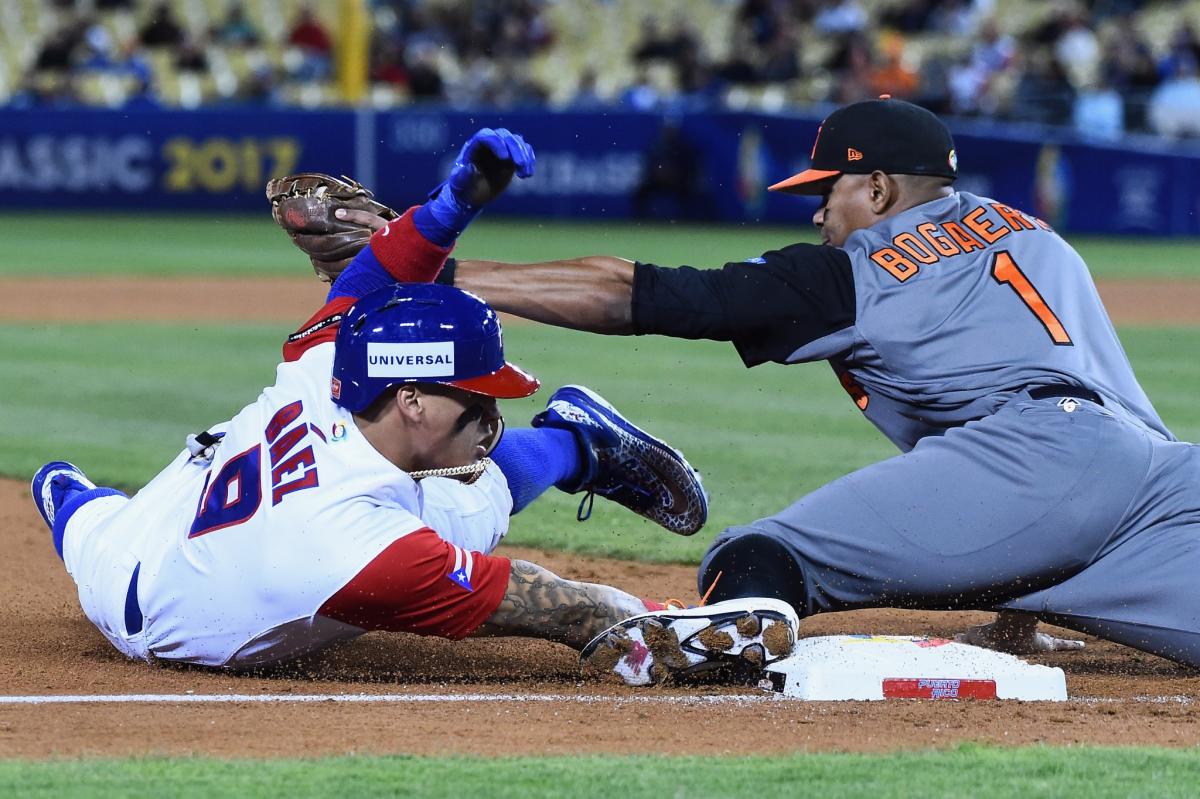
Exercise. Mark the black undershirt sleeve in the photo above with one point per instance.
(768, 310)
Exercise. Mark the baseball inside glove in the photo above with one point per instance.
(304, 205)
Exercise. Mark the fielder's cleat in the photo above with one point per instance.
(625, 464)
(54, 484)
(732, 640)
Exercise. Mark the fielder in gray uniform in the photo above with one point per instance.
(1035, 476)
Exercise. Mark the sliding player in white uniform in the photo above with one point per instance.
(367, 487)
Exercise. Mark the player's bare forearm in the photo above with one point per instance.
(593, 293)
(540, 604)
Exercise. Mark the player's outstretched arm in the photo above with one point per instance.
(540, 604)
(1016, 633)
(332, 219)
(593, 293)
(411, 248)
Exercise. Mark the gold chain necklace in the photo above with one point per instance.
(475, 470)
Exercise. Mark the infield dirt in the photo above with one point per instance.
(1122, 697)
(293, 300)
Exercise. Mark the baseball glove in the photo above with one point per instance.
(304, 205)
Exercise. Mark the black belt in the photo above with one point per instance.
(1063, 390)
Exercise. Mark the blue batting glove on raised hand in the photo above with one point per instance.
(486, 164)
(483, 169)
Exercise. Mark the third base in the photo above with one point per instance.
(866, 667)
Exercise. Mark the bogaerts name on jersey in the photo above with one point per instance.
(930, 242)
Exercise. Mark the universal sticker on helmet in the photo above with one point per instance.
(426, 359)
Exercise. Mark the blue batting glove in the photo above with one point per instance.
(493, 155)
(483, 169)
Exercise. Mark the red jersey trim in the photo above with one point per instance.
(321, 327)
(422, 584)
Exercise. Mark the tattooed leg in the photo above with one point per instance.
(540, 604)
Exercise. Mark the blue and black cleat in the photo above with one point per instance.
(625, 464)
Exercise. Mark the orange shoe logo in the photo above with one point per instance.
(853, 155)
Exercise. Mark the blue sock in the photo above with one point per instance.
(533, 459)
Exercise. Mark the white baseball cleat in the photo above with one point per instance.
(734, 639)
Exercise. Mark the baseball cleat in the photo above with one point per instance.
(53, 485)
(625, 464)
(734, 640)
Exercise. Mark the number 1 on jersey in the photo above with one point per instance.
(1005, 270)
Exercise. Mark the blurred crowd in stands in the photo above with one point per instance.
(82, 48)
(1105, 67)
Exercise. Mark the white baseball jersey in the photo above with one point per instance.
(238, 554)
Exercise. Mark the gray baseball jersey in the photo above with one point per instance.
(961, 328)
(963, 302)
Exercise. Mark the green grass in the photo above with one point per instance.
(966, 771)
(175, 244)
(118, 399)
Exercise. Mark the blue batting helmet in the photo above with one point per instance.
(422, 333)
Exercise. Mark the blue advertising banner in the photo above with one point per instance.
(588, 164)
(163, 160)
(1073, 185)
(601, 164)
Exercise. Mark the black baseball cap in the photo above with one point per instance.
(893, 136)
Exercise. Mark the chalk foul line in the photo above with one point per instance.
(699, 699)
(148, 699)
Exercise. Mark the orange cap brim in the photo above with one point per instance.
(507, 382)
(807, 182)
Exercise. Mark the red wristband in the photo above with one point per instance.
(408, 256)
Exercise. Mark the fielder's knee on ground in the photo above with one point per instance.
(752, 564)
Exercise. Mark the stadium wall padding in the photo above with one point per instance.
(599, 164)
